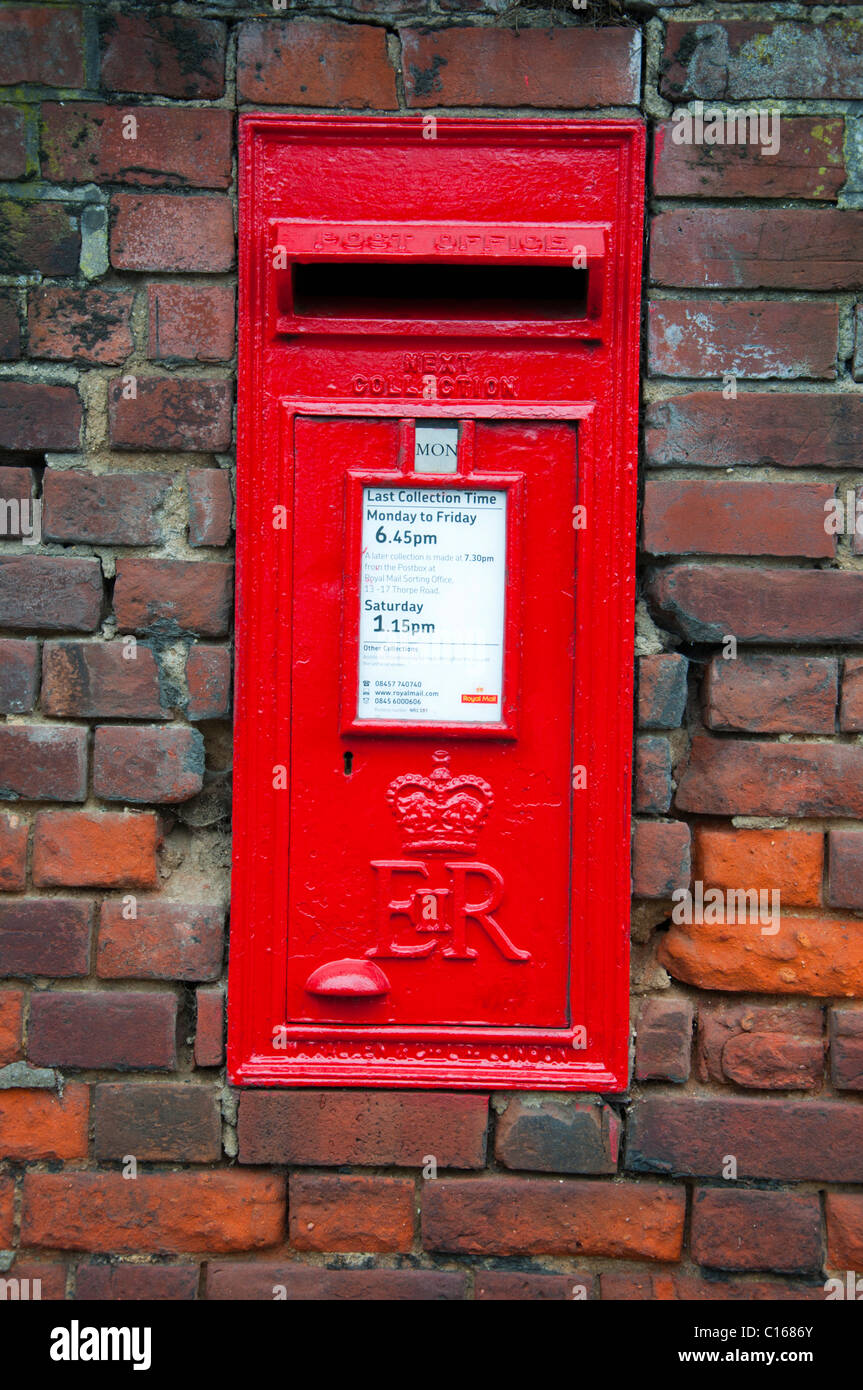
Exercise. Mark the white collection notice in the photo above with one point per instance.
(432, 591)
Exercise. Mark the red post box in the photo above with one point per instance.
(436, 532)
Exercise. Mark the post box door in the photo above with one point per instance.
(430, 844)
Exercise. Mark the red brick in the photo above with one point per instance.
(660, 858)
(748, 777)
(808, 164)
(736, 518)
(373, 1128)
(45, 936)
(737, 59)
(16, 483)
(39, 1281)
(653, 786)
(774, 1063)
(163, 231)
(672, 1286)
(191, 323)
(517, 1286)
(846, 869)
(191, 595)
(85, 1028)
(664, 1040)
(36, 417)
(764, 694)
(157, 1121)
(48, 591)
(351, 1213)
(13, 149)
(210, 505)
(10, 330)
(18, 675)
(556, 1134)
(210, 1027)
(168, 413)
(747, 338)
(11, 1025)
(757, 248)
(124, 1283)
(773, 1047)
(18, 519)
(7, 1215)
(562, 67)
(103, 849)
(13, 853)
(140, 765)
(183, 147)
(164, 941)
(102, 680)
(789, 860)
(42, 45)
(43, 1125)
(538, 1216)
(103, 509)
(39, 237)
(756, 1230)
(707, 602)
(844, 1230)
(315, 63)
(88, 325)
(662, 681)
(851, 708)
(790, 1140)
(43, 762)
(160, 1213)
(163, 54)
(208, 676)
(310, 1283)
(846, 1048)
(804, 429)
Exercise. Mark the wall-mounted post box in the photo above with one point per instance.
(436, 529)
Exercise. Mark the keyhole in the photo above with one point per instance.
(349, 758)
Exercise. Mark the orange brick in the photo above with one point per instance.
(99, 849)
(162, 1213)
(791, 861)
(11, 1019)
(351, 1213)
(820, 956)
(39, 1124)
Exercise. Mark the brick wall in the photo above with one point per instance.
(732, 1168)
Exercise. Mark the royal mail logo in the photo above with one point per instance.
(441, 811)
(478, 697)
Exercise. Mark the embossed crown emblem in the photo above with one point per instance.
(440, 811)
